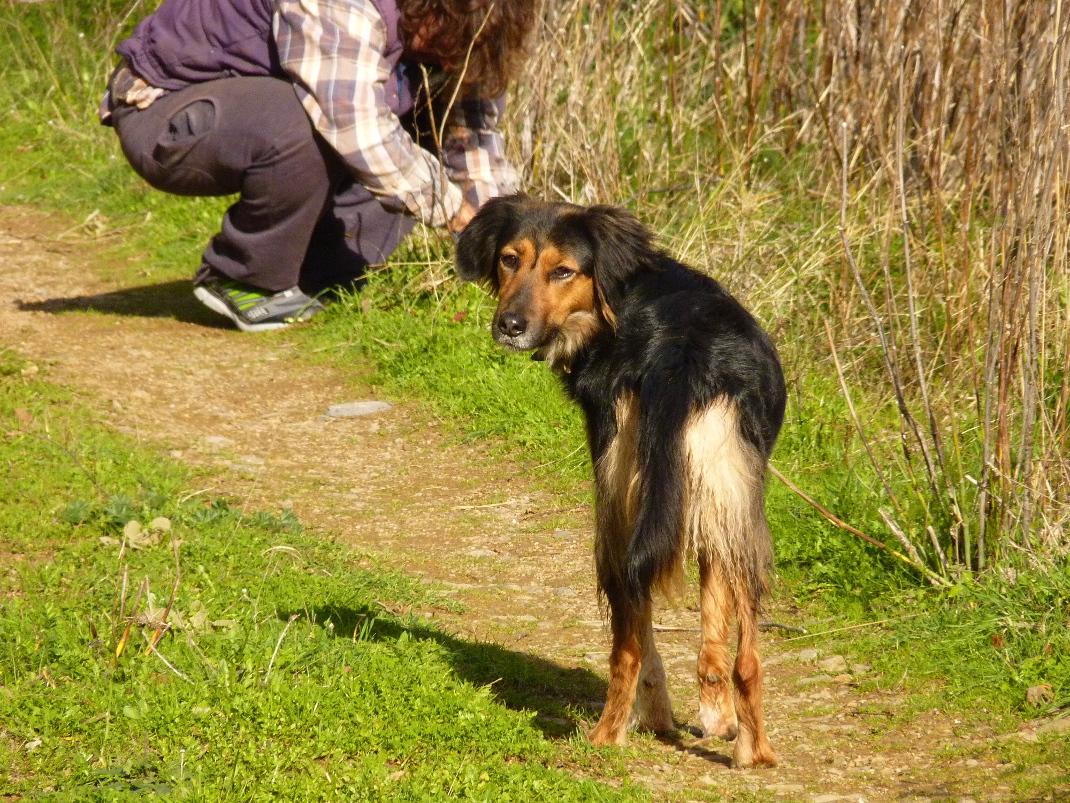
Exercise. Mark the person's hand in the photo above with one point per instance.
(141, 94)
(462, 218)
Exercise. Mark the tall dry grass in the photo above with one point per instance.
(958, 113)
(932, 138)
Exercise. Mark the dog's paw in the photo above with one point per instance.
(603, 735)
(662, 724)
(745, 757)
(715, 725)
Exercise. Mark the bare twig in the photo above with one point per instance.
(937, 548)
(141, 592)
(854, 415)
(486, 506)
(857, 626)
(908, 545)
(673, 629)
(162, 626)
(912, 311)
(436, 128)
(293, 618)
(834, 519)
(150, 646)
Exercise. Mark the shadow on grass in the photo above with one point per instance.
(564, 700)
(561, 698)
(714, 751)
(165, 300)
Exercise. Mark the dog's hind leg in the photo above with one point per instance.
(653, 708)
(752, 745)
(625, 663)
(617, 483)
(731, 536)
(716, 711)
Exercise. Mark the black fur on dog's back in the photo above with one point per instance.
(680, 343)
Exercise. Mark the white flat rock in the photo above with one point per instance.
(356, 409)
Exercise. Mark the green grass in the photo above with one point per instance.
(429, 341)
(979, 645)
(289, 671)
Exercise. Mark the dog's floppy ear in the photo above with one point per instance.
(477, 246)
(623, 247)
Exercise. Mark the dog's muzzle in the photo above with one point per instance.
(515, 331)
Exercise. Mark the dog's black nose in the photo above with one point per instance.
(511, 324)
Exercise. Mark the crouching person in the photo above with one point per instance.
(338, 123)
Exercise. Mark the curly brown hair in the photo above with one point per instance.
(446, 29)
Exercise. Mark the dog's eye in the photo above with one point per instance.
(561, 273)
(510, 261)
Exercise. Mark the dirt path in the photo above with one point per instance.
(250, 409)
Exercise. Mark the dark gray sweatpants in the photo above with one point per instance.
(299, 218)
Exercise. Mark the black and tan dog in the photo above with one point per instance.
(684, 396)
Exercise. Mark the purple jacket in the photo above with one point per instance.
(189, 41)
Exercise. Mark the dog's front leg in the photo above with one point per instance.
(653, 708)
(625, 663)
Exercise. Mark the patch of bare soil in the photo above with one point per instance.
(251, 411)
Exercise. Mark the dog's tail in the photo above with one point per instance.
(655, 553)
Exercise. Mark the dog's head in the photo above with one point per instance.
(559, 271)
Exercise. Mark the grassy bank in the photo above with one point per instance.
(286, 669)
(724, 188)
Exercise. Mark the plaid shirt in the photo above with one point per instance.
(333, 51)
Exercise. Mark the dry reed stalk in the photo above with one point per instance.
(959, 109)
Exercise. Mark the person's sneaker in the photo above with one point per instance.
(255, 310)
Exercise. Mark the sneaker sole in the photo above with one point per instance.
(215, 305)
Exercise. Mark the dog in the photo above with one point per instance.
(684, 397)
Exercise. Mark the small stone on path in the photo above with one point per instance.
(161, 524)
(356, 409)
(834, 663)
(786, 788)
(1059, 725)
(808, 655)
